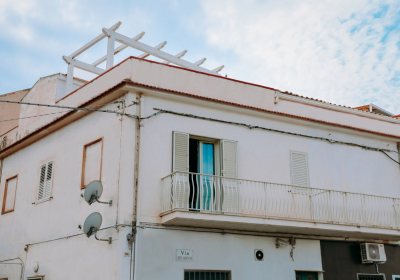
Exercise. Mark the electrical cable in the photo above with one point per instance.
(161, 111)
(71, 108)
(56, 112)
(275, 130)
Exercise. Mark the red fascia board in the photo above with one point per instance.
(362, 107)
(264, 110)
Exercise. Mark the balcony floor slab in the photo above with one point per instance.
(272, 225)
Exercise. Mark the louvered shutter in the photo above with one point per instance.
(45, 181)
(180, 162)
(299, 169)
(229, 170)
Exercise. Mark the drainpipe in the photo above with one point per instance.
(140, 109)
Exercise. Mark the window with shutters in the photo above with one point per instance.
(45, 181)
(299, 170)
(10, 191)
(199, 163)
(92, 162)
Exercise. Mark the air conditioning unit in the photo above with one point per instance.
(373, 253)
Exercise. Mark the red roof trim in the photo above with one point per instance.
(264, 110)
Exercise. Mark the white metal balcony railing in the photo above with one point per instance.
(183, 191)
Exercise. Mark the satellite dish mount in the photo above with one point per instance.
(92, 225)
(92, 193)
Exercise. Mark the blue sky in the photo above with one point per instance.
(345, 52)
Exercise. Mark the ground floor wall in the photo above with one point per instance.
(75, 257)
(342, 260)
(160, 255)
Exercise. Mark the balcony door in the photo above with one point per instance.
(195, 162)
(202, 161)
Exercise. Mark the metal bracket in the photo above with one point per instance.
(109, 239)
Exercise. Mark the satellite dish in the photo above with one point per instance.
(93, 191)
(92, 225)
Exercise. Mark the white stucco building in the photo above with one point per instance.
(203, 172)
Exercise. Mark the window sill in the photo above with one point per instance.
(43, 200)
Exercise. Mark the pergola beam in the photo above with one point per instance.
(178, 55)
(87, 67)
(147, 50)
(152, 51)
(117, 50)
(200, 62)
(94, 41)
(218, 68)
(158, 47)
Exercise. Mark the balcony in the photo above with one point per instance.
(191, 199)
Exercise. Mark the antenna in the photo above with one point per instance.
(93, 192)
(92, 225)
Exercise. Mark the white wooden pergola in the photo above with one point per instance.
(147, 50)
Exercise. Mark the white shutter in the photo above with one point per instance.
(45, 181)
(299, 168)
(229, 169)
(180, 162)
(229, 158)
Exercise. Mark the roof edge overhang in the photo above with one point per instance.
(281, 94)
(127, 85)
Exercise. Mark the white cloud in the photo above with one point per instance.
(331, 50)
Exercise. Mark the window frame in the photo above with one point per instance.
(5, 195)
(84, 159)
(217, 152)
(37, 201)
(37, 277)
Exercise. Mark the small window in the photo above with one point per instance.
(92, 161)
(306, 275)
(9, 195)
(371, 277)
(207, 275)
(45, 181)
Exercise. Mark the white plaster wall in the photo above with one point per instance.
(60, 216)
(354, 120)
(214, 251)
(158, 75)
(262, 155)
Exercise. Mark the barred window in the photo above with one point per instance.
(371, 277)
(207, 275)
